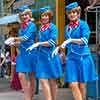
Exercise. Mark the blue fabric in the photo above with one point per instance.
(48, 67)
(44, 9)
(81, 32)
(28, 34)
(50, 35)
(79, 65)
(71, 6)
(80, 69)
(26, 61)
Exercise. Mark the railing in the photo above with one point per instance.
(96, 10)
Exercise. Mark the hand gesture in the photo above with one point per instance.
(55, 52)
(88, 7)
(35, 45)
(10, 41)
(63, 45)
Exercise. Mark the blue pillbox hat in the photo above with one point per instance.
(71, 6)
(44, 9)
(23, 8)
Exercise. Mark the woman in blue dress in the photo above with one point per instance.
(48, 69)
(80, 67)
(25, 62)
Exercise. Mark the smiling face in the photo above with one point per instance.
(73, 15)
(45, 18)
(25, 17)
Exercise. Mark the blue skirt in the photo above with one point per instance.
(26, 61)
(80, 68)
(48, 67)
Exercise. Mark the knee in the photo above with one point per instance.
(42, 80)
(52, 82)
(82, 85)
(21, 75)
(73, 85)
(31, 75)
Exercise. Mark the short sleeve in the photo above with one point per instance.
(31, 30)
(53, 35)
(85, 32)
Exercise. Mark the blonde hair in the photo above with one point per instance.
(26, 11)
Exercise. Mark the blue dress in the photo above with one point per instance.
(79, 63)
(26, 61)
(48, 67)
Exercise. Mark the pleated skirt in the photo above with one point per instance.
(80, 68)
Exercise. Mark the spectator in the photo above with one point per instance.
(2, 61)
(15, 82)
(93, 3)
(8, 64)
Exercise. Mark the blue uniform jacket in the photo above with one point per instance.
(50, 35)
(28, 35)
(81, 32)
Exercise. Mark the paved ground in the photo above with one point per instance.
(7, 94)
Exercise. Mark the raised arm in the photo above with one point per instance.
(91, 5)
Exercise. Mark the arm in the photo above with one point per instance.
(46, 43)
(77, 41)
(31, 30)
(84, 36)
(3, 61)
(35, 45)
(51, 42)
(18, 39)
(85, 33)
(91, 5)
(52, 37)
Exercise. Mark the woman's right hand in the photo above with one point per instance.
(35, 45)
(55, 52)
(10, 41)
(63, 45)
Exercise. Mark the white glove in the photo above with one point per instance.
(55, 52)
(10, 41)
(35, 45)
(66, 42)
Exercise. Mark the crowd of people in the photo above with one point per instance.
(45, 61)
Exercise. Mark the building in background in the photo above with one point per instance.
(1, 15)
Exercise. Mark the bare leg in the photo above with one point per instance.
(76, 91)
(53, 87)
(32, 85)
(24, 83)
(12, 71)
(46, 89)
(82, 90)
